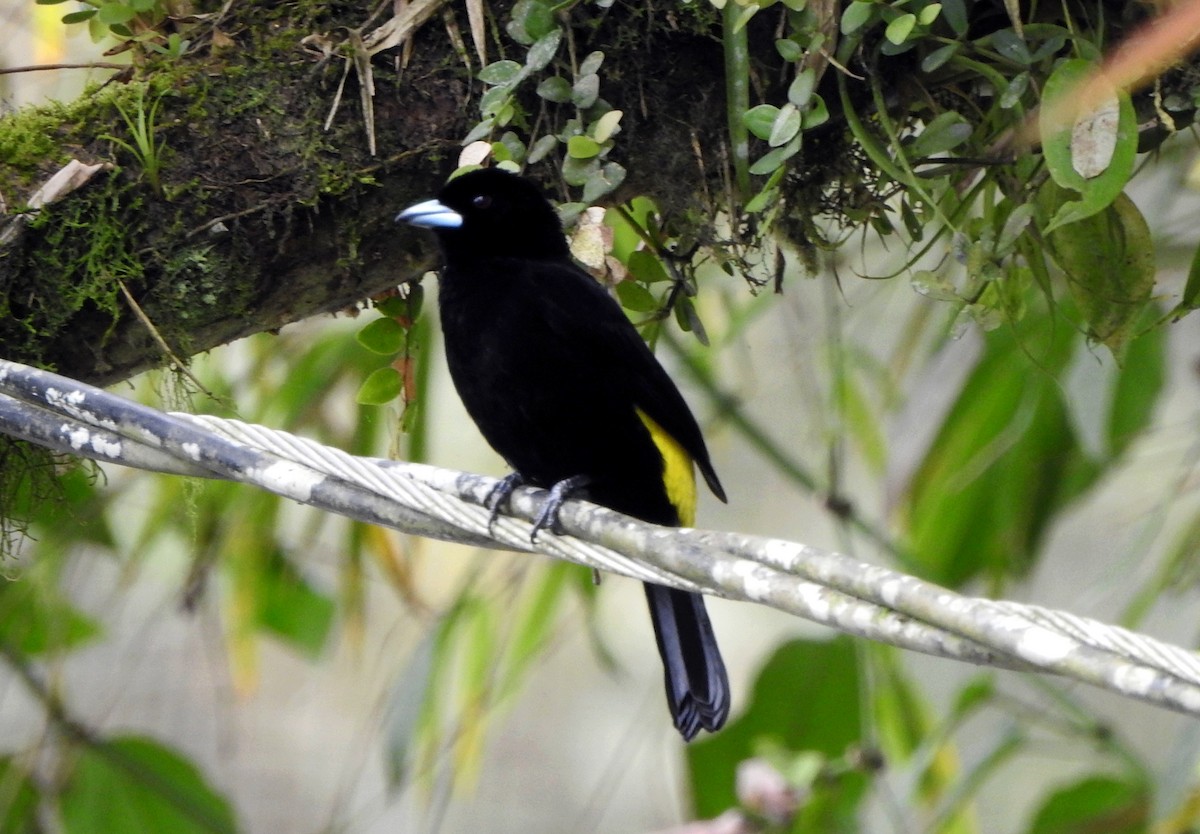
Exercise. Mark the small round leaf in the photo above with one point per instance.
(786, 126)
(586, 91)
(899, 29)
(582, 147)
(556, 89)
(542, 52)
(788, 49)
(607, 125)
(384, 335)
(758, 120)
(591, 64)
(499, 72)
(541, 147)
(381, 387)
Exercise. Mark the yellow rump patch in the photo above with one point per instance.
(678, 475)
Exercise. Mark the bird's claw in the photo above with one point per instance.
(499, 495)
(547, 517)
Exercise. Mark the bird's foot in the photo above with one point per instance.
(547, 517)
(498, 496)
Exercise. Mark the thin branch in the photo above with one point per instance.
(162, 343)
(88, 65)
(56, 711)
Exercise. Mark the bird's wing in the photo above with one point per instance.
(593, 321)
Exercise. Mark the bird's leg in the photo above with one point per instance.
(498, 496)
(547, 517)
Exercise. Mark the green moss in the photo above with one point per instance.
(77, 250)
(242, 139)
(29, 141)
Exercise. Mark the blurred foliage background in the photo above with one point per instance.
(915, 339)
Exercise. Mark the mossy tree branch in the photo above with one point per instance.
(263, 217)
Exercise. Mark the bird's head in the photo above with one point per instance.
(491, 213)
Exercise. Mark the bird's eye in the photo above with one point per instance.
(482, 201)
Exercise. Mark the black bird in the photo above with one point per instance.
(562, 386)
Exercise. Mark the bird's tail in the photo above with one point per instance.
(697, 686)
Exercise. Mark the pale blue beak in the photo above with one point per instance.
(431, 215)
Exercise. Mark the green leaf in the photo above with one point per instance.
(556, 89)
(899, 29)
(1060, 143)
(1004, 462)
(929, 14)
(912, 223)
(768, 195)
(763, 198)
(947, 131)
(626, 239)
(19, 798)
(939, 57)
(479, 646)
(1096, 803)
(49, 2)
(500, 72)
(591, 64)
(500, 153)
(759, 120)
(1138, 386)
(78, 17)
(607, 125)
(541, 148)
(586, 91)
(531, 20)
(132, 785)
(646, 267)
(1190, 299)
(786, 126)
(825, 678)
(856, 16)
(801, 89)
(543, 51)
(578, 171)
(1011, 46)
(744, 17)
(514, 148)
(402, 306)
(1016, 88)
(494, 99)
(568, 212)
(603, 181)
(35, 618)
(1110, 265)
(954, 12)
(479, 131)
(633, 296)
(112, 14)
(816, 115)
(381, 387)
(384, 335)
(582, 147)
(772, 160)
(789, 50)
(689, 319)
(292, 609)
